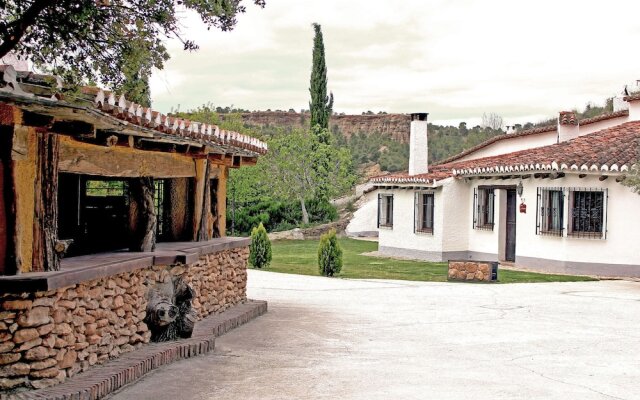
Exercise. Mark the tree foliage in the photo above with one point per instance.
(329, 254)
(321, 105)
(95, 40)
(260, 248)
(296, 173)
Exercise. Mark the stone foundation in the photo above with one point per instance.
(472, 271)
(48, 336)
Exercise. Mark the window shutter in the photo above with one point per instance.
(432, 200)
(379, 208)
(416, 197)
(605, 205)
(391, 213)
(491, 207)
(539, 206)
(475, 207)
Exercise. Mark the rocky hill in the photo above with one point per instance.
(395, 126)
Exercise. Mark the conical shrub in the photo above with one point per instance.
(329, 254)
(260, 248)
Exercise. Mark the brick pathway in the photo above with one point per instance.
(128, 368)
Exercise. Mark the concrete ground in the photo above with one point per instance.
(333, 338)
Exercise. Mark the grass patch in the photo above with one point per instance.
(301, 257)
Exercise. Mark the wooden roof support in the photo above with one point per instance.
(603, 178)
(556, 175)
(620, 178)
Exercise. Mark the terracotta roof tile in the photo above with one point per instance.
(40, 88)
(604, 117)
(609, 150)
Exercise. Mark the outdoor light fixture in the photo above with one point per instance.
(519, 188)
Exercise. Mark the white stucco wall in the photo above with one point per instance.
(600, 125)
(457, 215)
(623, 225)
(418, 148)
(401, 236)
(364, 219)
(486, 241)
(509, 145)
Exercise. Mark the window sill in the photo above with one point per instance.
(551, 233)
(390, 227)
(424, 232)
(484, 228)
(586, 235)
(74, 270)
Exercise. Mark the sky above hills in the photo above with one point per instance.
(454, 59)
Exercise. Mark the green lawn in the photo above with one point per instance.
(300, 257)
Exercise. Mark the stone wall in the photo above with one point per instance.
(46, 337)
(470, 270)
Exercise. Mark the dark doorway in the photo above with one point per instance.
(93, 212)
(510, 247)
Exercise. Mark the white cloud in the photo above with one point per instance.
(454, 59)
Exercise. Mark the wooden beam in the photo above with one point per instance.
(525, 176)
(582, 176)
(121, 161)
(603, 178)
(620, 178)
(205, 215)
(557, 175)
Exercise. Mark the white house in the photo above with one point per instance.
(549, 199)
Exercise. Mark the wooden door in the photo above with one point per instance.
(510, 248)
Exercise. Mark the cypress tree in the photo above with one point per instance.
(320, 105)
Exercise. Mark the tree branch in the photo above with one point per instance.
(12, 38)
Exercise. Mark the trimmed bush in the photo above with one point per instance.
(260, 248)
(329, 254)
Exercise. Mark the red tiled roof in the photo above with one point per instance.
(609, 150)
(632, 97)
(33, 87)
(528, 132)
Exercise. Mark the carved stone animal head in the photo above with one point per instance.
(163, 313)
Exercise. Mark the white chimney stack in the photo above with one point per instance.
(568, 127)
(634, 106)
(418, 145)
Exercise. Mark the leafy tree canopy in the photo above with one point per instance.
(93, 40)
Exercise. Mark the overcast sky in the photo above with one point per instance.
(455, 59)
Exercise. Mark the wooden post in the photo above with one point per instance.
(142, 215)
(45, 222)
(203, 230)
(222, 200)
(7, 205)
(202, 175)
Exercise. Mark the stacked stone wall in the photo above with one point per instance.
(470, 270)
(46, 337)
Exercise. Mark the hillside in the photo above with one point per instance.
(394, 126)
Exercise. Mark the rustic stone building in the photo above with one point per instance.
(131, 198)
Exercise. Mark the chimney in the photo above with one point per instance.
(418, 145)
(568, 127)
(634, 106)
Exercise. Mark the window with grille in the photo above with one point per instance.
(483, 208)
(550, 212)
(385, 210)
(424, 212)
(587, 210)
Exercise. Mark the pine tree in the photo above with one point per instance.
(320, 105)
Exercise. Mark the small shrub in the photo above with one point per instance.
(329, 254)
(260, 248)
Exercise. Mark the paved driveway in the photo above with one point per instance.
(333, 338)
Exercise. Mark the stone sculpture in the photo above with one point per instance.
(170, 315)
